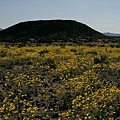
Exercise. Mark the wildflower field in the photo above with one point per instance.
(59, 82)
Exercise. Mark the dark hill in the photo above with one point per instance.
(48, 30)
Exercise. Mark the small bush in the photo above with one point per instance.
(102, 59)
(43, 52)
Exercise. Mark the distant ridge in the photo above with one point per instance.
(111, 34)
(48, 30)
(0, 29)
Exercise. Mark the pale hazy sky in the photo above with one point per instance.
(102, 15)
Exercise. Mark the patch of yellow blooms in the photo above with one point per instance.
(92, 99)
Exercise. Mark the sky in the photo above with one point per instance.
(101, 15)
